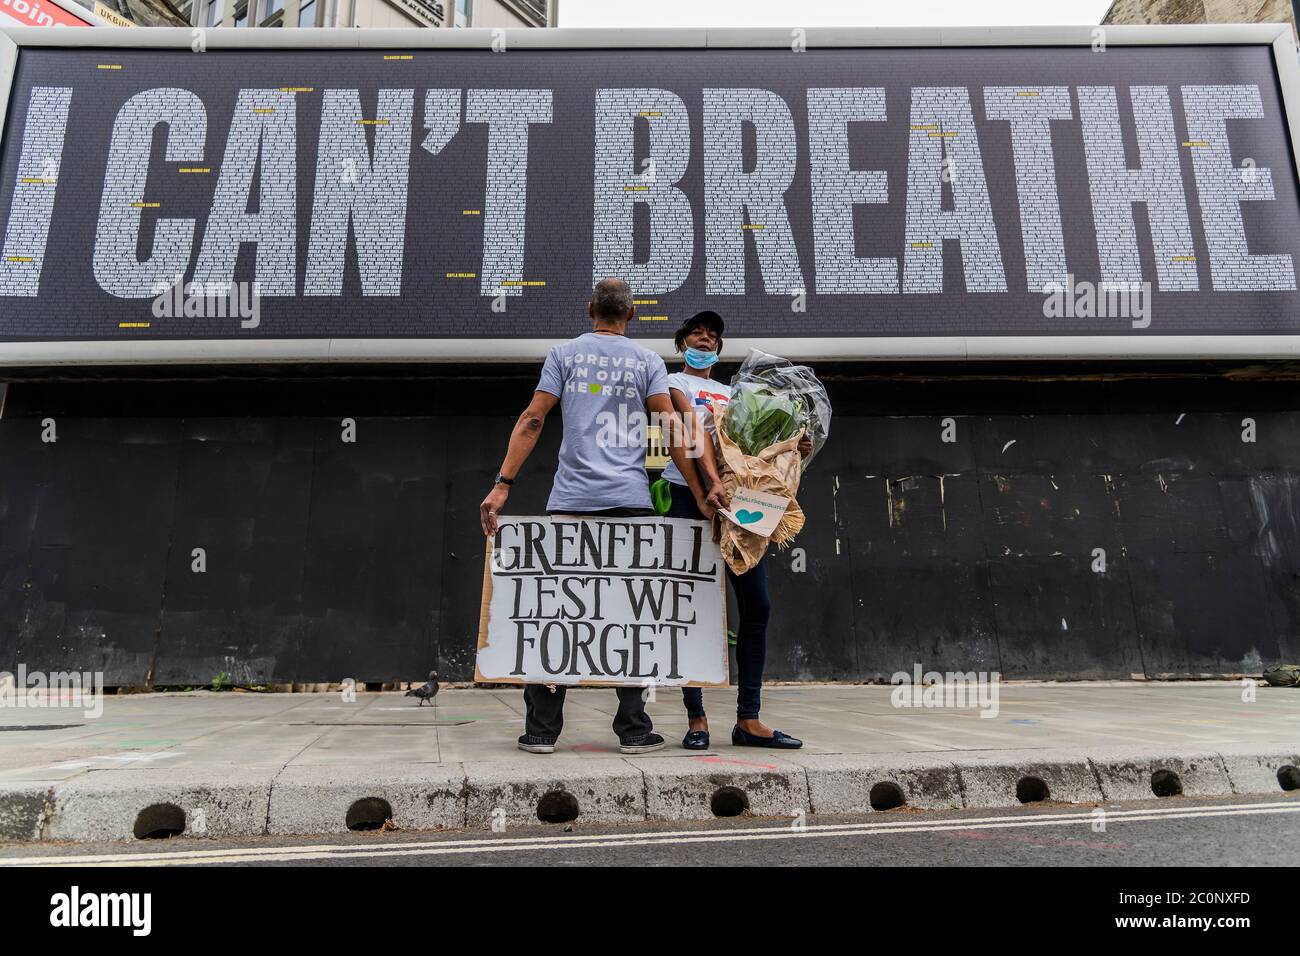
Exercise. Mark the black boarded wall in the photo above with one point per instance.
(327, 559)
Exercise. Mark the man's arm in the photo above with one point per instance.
(523, 439)
(709, 498)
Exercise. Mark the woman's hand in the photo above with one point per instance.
(718, 497)
(805, 446)
(491, 507)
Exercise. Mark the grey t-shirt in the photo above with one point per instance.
(602, 382)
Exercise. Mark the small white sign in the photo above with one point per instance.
(756, 511)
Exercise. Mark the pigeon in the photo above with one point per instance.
(428, 691)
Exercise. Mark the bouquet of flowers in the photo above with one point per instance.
(773, 405)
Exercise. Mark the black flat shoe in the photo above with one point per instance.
(696, 740)
(778, 740)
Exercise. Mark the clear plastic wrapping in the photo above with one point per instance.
(772, 399)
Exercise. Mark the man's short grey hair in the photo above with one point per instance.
(611, 299)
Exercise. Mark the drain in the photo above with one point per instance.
(159, 822)
(1031, 790)
(1289, 778)
(887, 796)
(1165, 783)
(369, 813)
(558, 806)
(729, 802)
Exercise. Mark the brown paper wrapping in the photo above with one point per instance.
(776, 470)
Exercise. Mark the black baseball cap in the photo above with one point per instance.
(708, 318)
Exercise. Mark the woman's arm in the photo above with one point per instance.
(706, 487)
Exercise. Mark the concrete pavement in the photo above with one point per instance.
(232, 764)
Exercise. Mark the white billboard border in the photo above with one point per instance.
(892, 348)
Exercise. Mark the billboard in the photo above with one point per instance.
(189, 199)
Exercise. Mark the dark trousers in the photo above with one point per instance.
(755, 609)
(544, 711)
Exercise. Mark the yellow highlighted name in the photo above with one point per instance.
(1026, 92)
(108, 66)
(635, 189)
(653, 318)
(650, 113)
(753, 225)
(947, 135)
(297, 89)
(471, 212)
(195, 169)
(922, 245)
(462, 275)
(1196, 142)
(645, 301)
(373, 122)
(524, 282)
(398, 56)
(18, 259)
(1183, 259)
(927, 126)
(133, 325)
(146, 205)
(35, 180)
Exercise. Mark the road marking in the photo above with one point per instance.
(779, 831)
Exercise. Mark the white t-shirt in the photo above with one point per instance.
(701, 392)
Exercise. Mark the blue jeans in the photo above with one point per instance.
(755, 607)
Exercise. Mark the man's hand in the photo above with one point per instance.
(491, 507)
(805, 446)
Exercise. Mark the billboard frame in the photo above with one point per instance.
(1277, 36)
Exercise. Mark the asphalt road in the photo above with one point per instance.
(1228, 831)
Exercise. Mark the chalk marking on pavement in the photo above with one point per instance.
(778, 831)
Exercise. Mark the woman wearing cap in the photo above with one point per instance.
(695, 395)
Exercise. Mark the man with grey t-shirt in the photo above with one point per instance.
(604, 384)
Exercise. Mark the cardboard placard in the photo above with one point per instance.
(756, 511)
(613, 602)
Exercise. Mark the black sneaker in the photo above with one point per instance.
(641, 745)
(536, 745)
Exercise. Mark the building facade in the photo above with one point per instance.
(385, 14)
(1097, 511)
(1123, 12)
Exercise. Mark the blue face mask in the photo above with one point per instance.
(698, 358)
